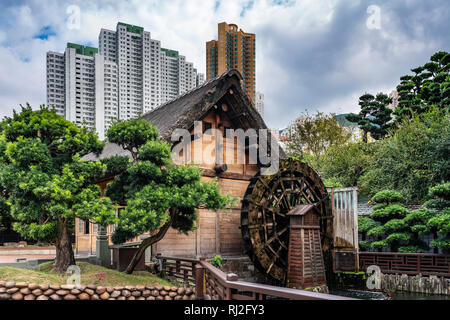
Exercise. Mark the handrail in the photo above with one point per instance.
(230, 281)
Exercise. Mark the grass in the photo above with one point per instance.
(88, 272)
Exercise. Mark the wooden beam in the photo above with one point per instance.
(227, 175)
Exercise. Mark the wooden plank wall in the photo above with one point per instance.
(345, 214)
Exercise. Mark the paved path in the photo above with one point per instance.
(13, 257)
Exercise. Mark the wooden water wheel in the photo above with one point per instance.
(264, 220)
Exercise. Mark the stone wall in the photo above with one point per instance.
(417, 283)
(32, 291)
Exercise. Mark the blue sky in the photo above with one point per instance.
(311, 55)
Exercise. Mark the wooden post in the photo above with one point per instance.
(199, 280)
(228, 293)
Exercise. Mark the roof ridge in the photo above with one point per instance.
(188, 92)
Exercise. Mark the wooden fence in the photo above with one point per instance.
(407, 263)
(178, 268)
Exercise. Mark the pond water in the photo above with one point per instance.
(400, 295)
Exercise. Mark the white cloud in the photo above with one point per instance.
(310, 54)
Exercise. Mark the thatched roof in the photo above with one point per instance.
(193, 105)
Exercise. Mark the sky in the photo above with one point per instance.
(310, 55)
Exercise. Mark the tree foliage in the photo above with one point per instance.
(374, 117)
(44, 181)
(428, 86)
(315, 134)
(392, 226)
(414, 159)
(157, 194)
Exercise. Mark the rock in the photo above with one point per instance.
(146, 293)
(174, 289)
(189, 291)
(5, 296)
(158, 288)
(121, 298)
(49, 292)
(118, 288)
(62, 292)
(167, 288)
(172, 294)
(37, 292)
(155, 293)
(112, 299)
(130, 288)
(21, 284)
(185, 297)
(126, 293)
(140, 288)
(115, 294)
(75, 291)
(100, 290)
(136, 293)
(159, 298)
(55, 297)
(42, 297)
(178, 298)
(181, 291)
(104, 296)
(131, 298)
(25, 291)
(95, 297)
(2, 290)
(12, 290)
(29, 297)
(44, 287)
(109, 289)
(9, 284)
(84, 296)
(89, 291)
(167, 298)
(70, 297)
(163, 293)
(193, 297)
(67, 286)
(2, 283)
(33, 286)
(140, 298)
(150, 288)
(151, 298)
(92, 286)
(55, 287)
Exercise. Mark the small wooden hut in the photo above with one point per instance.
(218, 104)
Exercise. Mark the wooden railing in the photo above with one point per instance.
(407, 263)
(213, 284)
(178, 268)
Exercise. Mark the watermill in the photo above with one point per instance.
(267, 225)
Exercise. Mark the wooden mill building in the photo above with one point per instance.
(218, 104)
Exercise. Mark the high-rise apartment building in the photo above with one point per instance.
(259, 103)
(234, 49)
(128, 75)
